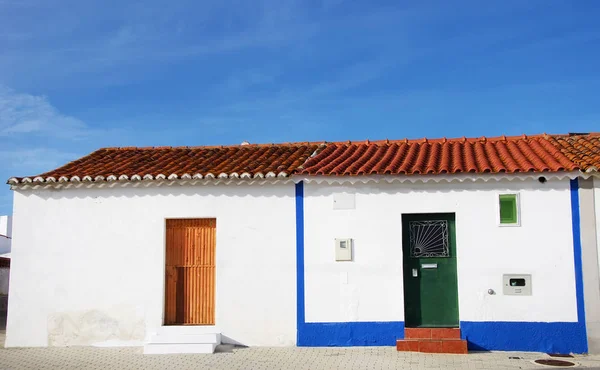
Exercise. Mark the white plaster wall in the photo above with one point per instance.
(5, 225)
(88, 264)
(371, 287)
(5, 234)
(597, 207)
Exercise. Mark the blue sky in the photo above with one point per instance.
(79, 75)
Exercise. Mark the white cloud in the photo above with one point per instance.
(28, 162)
(22, 113)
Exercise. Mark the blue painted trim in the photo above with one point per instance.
(577, 258)
(334, 334)
(554, 337)
(549, 337)
(299, 259)
(344, 334)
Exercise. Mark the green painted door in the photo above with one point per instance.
(430, 283)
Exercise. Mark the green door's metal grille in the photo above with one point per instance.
(429, 238)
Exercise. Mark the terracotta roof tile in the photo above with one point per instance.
(540, 153)
(278, 159)
(582, 149)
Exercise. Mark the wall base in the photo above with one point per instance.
(348, 334)
(554, 337)
(548, 337)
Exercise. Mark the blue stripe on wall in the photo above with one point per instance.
(556, 337)
(552, 337)
(577, 259)
(299, 258)
(335, 334)
(549, 337)
(345, 334)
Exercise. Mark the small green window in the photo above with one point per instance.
(508, 209)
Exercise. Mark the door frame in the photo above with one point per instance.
(407, 217)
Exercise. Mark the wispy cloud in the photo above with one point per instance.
(98, 38)
(22, 114)
(33, 161)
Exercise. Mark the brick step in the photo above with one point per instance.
(449, 345)
(431, 333)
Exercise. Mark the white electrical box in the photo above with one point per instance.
(516, 284)
(344, 201)
(343, 249)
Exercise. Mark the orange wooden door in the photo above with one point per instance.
(190, 272)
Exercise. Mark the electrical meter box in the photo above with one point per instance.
(515, 284)
(343, 249)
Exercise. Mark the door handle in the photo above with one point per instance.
(415, 272)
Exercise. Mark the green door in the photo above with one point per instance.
(430, 287)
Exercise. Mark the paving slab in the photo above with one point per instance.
(267, 358)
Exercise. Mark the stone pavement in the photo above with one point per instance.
(259, 358)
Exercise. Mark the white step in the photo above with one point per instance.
(187, 329)
(185, 338)
(170, 348)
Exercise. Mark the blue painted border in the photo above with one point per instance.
(335, 334)
(554, 337)
(577, 250)
(549, 337)
(575, 216)
(346, 334)
(299, 258)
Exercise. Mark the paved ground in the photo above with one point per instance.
(269, 358)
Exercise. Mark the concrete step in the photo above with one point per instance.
(170, 348)
(454, 346)
(185, 338)
(432, 340)
(431, 333)
(187, 329)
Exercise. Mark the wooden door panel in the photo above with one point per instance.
(190, 272)
(170, 295)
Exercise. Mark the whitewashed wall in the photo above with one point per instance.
(5, 244)
(6, 230)
(371, 289)
(597, 206)
(88, 264)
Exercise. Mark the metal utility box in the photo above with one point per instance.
(516, 284)
(343, 249)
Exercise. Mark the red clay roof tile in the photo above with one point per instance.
(583, 150)
(280, 159)
(541, 153)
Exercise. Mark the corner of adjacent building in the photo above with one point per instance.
(588, 224)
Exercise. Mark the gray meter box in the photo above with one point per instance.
(343, 249)
(516, 284)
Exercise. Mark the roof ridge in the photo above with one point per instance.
(364, 141)
(258, 145)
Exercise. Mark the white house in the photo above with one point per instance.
(429, 245)
(5, 242)
(5, 235)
